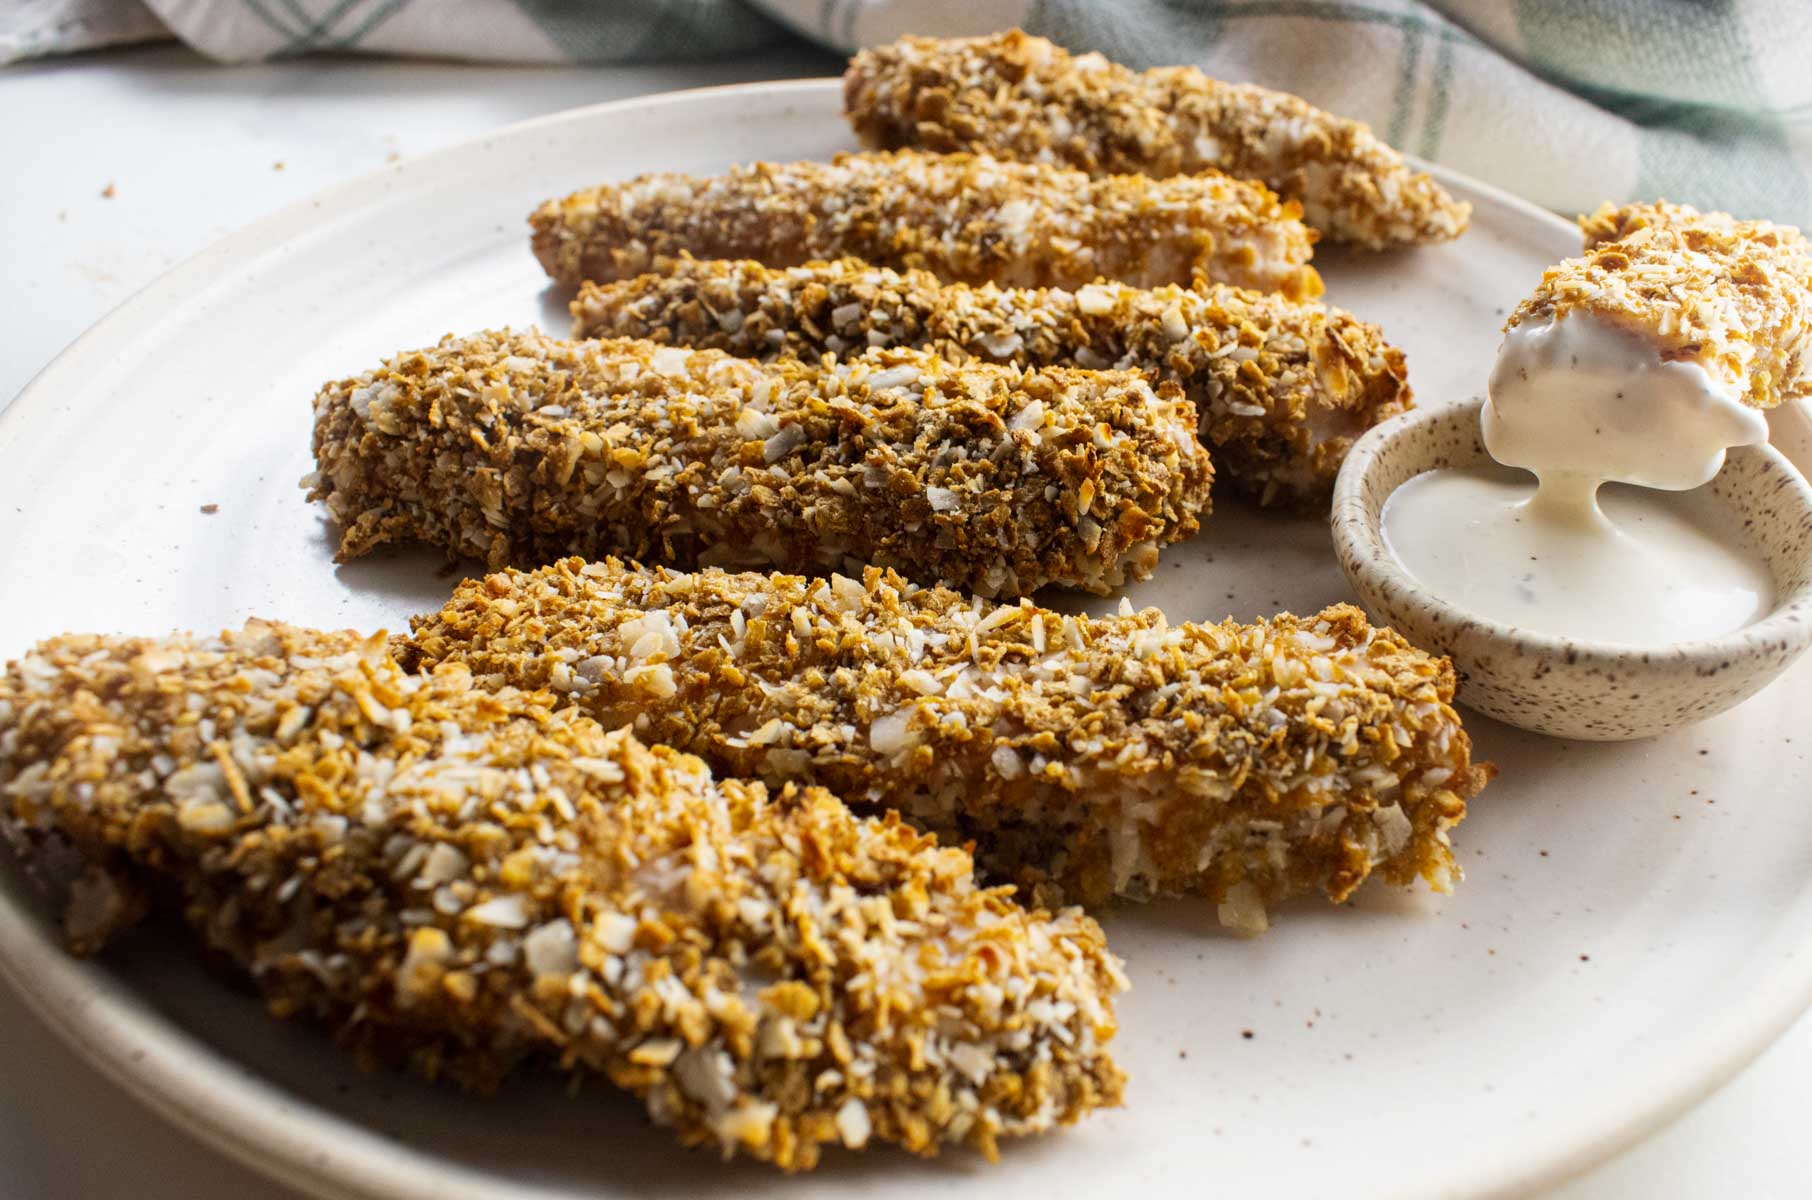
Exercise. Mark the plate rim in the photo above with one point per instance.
(244, 1116)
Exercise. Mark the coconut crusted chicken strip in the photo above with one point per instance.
(518, 449)
(963, 217)
(475, 877)
(1733, 296)
(1283, 387)
(1021, 97)
(1089, 757)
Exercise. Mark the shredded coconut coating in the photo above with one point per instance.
(966, 218)
(1084, 757)
(463, 878)
(1733, 296)
(1283, 387)
(1022, 97)
(519, 448)
(1611, 222)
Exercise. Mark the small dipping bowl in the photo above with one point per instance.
(1563, 686)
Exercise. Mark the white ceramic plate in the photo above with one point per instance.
(1633, 927)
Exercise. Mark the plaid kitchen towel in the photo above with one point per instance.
(1566, 102)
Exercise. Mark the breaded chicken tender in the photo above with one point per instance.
(1283, 387)
(1087, 757)
(468, 878)
(1733, 296)
(518, 449)
(965, 218)
(1021, 97)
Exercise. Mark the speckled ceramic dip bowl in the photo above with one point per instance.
(1566, 687)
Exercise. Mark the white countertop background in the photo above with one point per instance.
(193, 151)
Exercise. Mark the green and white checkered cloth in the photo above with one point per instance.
(1566, 102)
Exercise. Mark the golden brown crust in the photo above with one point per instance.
(1283, 387)
(1021, 97)
(466, 878)
(519, 448)
(1093, 756)
(1733, 296)
(1614, 222)
(965, 218)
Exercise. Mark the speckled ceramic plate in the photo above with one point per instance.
(1633, 926)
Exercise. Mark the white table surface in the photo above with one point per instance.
(193, 150)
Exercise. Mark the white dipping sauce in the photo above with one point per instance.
(1580, 402)
(1645, 568)
(1580, 396)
